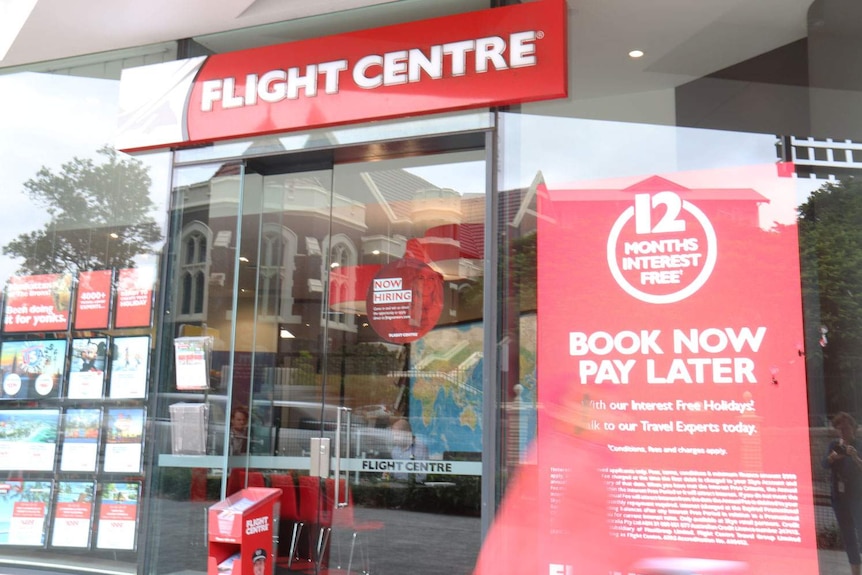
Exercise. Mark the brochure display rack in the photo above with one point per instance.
(243, 530)
(74, 380)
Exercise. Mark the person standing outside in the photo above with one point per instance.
(239, 430)
(406, 446)
(845, 468)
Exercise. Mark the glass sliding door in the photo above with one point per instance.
(344, 305)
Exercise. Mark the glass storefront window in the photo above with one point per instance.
(81, 221)
(624, 320)
(669, 333)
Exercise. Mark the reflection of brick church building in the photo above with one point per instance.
(288, 249)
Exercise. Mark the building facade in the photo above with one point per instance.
(540, 287)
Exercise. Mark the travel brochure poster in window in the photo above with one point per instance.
(73, 514)
(135, 297)
(87, 370)
(675, 380)
(23, 511)
(37, 303)
(32, 369)
(124, 440)
(81, 429)
(192, 359)
(28, 439)
(118, 516)
(130, 361)
(93, 301)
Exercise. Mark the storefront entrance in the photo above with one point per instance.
(342, 295)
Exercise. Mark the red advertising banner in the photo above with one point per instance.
(93, 300)
(404, 300)
(477, 59)
(134, 297)
(670, 328)
(37, 303)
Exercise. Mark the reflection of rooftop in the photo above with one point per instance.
(821, 158)
(456, 377)
(441, 355)
(656, 184)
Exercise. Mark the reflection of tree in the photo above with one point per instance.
(831, 254)
(98, 216)
(27, 491)
(37, 491)
(365, 359)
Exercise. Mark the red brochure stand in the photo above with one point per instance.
(243, 533)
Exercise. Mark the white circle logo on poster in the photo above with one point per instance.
(12, 384)
(662, 249)
(44, 384)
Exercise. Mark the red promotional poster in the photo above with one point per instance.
(668, 348)
(37, 303)
(404, 300)
(472, 60)
(134, 297)
(92, 303)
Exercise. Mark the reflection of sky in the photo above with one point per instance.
(571, 152)
(465, 177)
(47, 120)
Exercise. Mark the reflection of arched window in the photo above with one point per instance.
(277, 257)
(194, 270)
(342, 253)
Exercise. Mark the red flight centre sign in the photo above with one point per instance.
(485, 58)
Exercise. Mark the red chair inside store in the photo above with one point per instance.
(315, 516)
(344, 518)
(237, 480)
(289, 520)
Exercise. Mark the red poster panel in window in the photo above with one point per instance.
(93, 301)
(37, 303)
(493, 57)
(671, 345)
(134, 297)
(404, 300)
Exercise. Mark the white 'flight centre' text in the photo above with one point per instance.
(374, 70)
